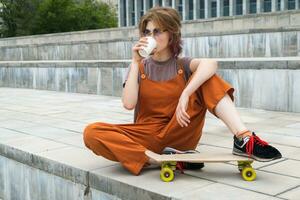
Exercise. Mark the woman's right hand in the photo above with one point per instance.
(139, 45)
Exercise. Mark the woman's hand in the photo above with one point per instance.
(181, 115)
(139, 45)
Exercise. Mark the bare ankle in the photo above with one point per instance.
(242, 134)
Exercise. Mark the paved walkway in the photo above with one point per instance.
(50, 124)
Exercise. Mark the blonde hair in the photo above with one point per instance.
(166, 19)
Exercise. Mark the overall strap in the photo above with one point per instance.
(179, 62)
(182, 69)
(141, 68)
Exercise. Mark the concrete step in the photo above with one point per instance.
(42, 155)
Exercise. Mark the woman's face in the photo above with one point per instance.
(161, 36)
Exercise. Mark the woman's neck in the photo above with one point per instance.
(162, 56)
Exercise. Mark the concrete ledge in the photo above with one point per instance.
(90, 181)
(76, 175)
(224, 63)
(42, 163)
(42, 154)
(252, 78)
(122, 189)
(243, 44)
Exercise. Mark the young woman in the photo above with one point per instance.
(170, 96)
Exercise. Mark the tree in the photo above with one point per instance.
(17, 16)
(54, 16)
(27, 17)
(94, 14)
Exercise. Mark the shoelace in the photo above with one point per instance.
(250, 144)
(180, 167)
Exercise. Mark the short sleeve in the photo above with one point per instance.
(186, 64)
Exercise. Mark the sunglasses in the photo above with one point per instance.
(156, 32)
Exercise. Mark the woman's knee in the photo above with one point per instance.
(89, 134)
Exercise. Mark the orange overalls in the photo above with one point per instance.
(156, 126)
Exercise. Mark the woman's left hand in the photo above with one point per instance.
(181, 115)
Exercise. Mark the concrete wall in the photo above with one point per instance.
(266, 84)
(93, 78)
(20, 181)
(26, 175)
(262, 35)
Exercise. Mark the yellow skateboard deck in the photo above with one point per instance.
(169, 162)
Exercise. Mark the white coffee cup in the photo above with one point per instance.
(146, 51)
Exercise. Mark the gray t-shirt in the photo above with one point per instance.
(162, 71)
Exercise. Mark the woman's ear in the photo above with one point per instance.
(170, 38)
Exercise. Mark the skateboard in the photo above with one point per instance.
(169, 162)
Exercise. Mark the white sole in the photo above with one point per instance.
(240, 153)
